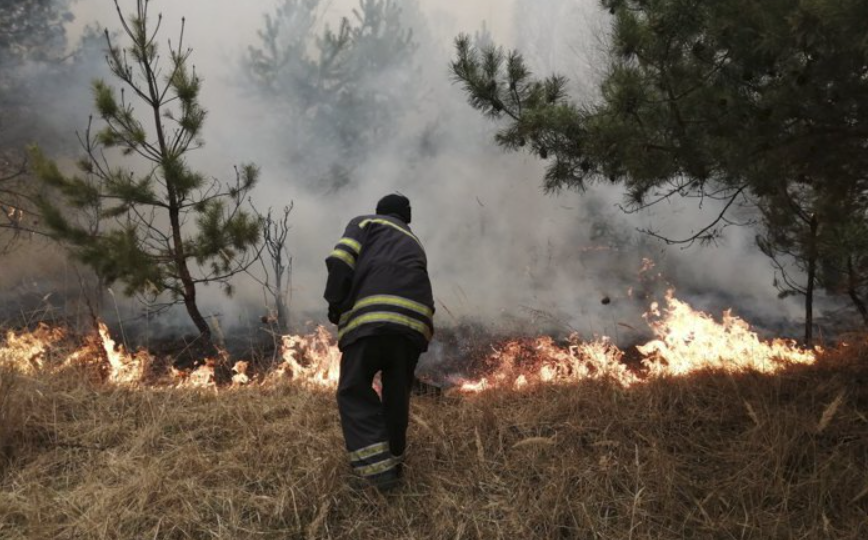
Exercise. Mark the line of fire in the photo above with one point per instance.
(685, 342)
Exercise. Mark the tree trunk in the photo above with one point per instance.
(282, 315)
(852, 291)
(281, 286)
(184, 271)
(177, 247)
(860, 306)
(812, 278)
(181, 264)
(809, 302)
(196, 316)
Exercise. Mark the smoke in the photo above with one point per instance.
(500, 251)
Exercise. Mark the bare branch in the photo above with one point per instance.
(707, 233)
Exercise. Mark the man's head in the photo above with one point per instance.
(396, 205)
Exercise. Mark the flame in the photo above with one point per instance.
(521, 363)
(39, 351)
(124, 368)
(313, 359)
(28, 351)
(204, 376)
(686, 341)
(241, 378)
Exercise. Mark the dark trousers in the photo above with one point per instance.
(375, 431)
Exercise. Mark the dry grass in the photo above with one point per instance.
(712, 456)
(11, 417)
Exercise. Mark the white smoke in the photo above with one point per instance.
(500, 251)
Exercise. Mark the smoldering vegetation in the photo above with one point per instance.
(333, 134)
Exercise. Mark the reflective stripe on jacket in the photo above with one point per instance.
(378, 282)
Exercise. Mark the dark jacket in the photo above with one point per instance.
(378, 282)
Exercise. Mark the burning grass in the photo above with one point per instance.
(710, 432)
(687, 341)
(710, 455)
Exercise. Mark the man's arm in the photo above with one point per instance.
(341, 264)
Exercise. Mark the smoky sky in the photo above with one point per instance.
(500, 251)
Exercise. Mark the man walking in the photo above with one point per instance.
(379, 295)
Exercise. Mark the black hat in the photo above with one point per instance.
(396, 205)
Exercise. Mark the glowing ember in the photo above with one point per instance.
(15, 215)
(647, 266)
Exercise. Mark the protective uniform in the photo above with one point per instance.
(380, 297)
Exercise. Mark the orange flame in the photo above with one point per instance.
(520, 363)
(39, 350)
(124, 368)
(313, 359)
(28, 351)
(686, 341)
(240, 377)
(204, 376)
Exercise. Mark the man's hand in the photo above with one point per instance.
(334, 315)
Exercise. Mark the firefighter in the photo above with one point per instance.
(379, 295)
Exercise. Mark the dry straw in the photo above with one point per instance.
(829, 413)
(710, 456)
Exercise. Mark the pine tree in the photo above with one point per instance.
(167, 230)
(31, 32)
(340, 90)
(757, 103)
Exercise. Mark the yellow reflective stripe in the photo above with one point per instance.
(352, 244)
(382, 316)
(369, 451)
(391, 300)
(377, 468)
(390, 224)
(344, 256)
